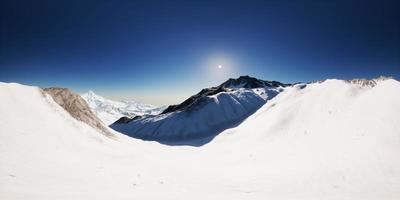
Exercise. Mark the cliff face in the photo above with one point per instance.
(77, 107)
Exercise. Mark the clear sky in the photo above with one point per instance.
(161, 52)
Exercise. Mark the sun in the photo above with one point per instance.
(219, 66)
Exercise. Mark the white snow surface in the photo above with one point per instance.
(201, 122)
(329, 140)
(110, 111)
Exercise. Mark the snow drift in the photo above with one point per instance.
(326, 140)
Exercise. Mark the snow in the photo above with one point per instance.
(110, 111)
(198, 124)
(329, 140)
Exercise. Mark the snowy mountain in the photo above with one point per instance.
(325, 140)
(110, 111)
(199, 118)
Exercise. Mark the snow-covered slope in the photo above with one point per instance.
(198, 119)
(110, 111)
(329, 140)
(335, 140)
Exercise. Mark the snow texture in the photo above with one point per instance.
(331, 140)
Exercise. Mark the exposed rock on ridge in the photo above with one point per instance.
(368, 83)
(241, 82)
(77, 107)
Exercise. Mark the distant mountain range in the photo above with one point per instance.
(110, 111)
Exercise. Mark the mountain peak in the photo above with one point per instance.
(91, 95)
(246, 81)
(90, 92)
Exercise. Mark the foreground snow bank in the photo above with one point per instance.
(330, 140)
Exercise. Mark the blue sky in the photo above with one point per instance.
(161, 52)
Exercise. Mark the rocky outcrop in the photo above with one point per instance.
(368, 82)
(77, 107)
(191, 101)
(124, 120)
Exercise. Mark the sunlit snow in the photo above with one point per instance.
(329, 140)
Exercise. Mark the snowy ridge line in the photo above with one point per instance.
(242, 82)
(359, 81)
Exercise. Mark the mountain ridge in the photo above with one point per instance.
(203, 115)
(240, 82)
(77, 107)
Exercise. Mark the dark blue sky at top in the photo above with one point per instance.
(163, 51)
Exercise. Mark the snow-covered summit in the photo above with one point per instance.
(243, 82)
(110, 111)
(250, 82)
(200, 117)
(92, 96)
